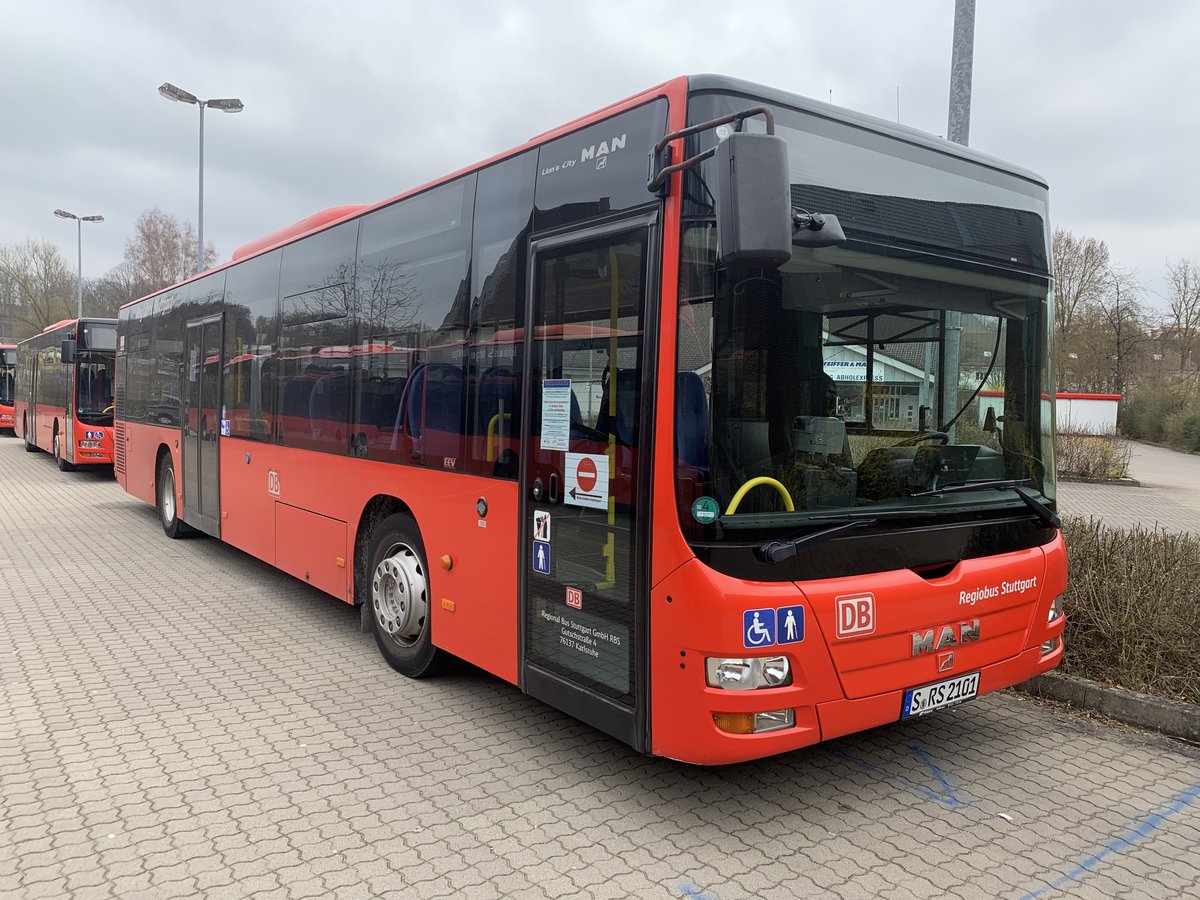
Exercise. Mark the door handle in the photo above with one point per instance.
(552, 493)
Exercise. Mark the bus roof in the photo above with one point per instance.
(725, 85)
(675, 87)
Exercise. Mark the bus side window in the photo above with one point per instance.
(624, 424)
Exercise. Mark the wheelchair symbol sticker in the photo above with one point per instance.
(758, 628)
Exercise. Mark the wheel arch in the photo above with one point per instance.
(158, 455)
(374, 511)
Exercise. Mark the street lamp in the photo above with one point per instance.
(79, 220)
(229, 105)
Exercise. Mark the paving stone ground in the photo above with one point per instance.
(178, 719)
(1168, 495)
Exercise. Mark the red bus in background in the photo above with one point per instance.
(695, 455)
(65, 378)
(8, 365)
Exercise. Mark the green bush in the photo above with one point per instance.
(1133, 608)
(1099, 456)
(1182, 431)
(1164, 413)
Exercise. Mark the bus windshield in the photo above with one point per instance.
(8, 365)
(888, 377)
(94, 373)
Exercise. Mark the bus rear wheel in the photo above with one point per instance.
(168, 511)
(63, 465)
(398, 586)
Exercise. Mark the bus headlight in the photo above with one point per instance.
(748, 674)
(90, 445)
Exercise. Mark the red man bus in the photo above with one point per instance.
(8, 366)
(688, 448)
(65, 379)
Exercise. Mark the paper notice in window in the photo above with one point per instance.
(556, 414)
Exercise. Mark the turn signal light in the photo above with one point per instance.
(755, 723)
(735, 723)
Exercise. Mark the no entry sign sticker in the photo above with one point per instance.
(587, 480)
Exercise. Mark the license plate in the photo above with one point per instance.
(922, 700)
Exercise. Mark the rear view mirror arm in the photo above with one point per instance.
(661, 153)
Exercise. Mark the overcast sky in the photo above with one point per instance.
(354, 102)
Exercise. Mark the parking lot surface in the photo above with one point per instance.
(1167, 496)
(178, 719)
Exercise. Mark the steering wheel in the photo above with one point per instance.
(935, 437)
(755, 482)
(109, 409)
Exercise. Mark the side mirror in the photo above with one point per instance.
(68, 351)
(753, 200)
(989, 421)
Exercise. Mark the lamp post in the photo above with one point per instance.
(79, 220)
(229, 105)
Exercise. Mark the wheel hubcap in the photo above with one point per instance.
(168, 497)
(399, 595)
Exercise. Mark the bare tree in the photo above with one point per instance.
(1125, 333)
(38, 286)
(161, 252)
(1183, 316)
(1081, 266)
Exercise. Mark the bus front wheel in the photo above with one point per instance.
(63, 465)
(398, 587)
(30, 444)
(168, 510)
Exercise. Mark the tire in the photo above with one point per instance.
(63, 465)
(30, 446)
(398, 593)
(168, 512)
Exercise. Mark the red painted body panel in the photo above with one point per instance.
(481, 584)
(45, 419)
(906, 603)
(142, 443)
(838, 687)
(322, 498)
(313, 548)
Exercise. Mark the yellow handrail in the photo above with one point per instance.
(755, 482)
(493, 433)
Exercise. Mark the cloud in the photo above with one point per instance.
(358, 102)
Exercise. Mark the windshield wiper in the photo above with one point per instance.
(1040, 509)
(778, 551)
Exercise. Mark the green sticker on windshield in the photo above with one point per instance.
(705, 510)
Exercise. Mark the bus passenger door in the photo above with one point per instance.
(584, 501)
(201, 424)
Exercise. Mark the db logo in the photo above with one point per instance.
(855, 615)
(272, 482)
(575, 598)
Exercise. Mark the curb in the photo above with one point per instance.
(1170, 717)
(1107, 482)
